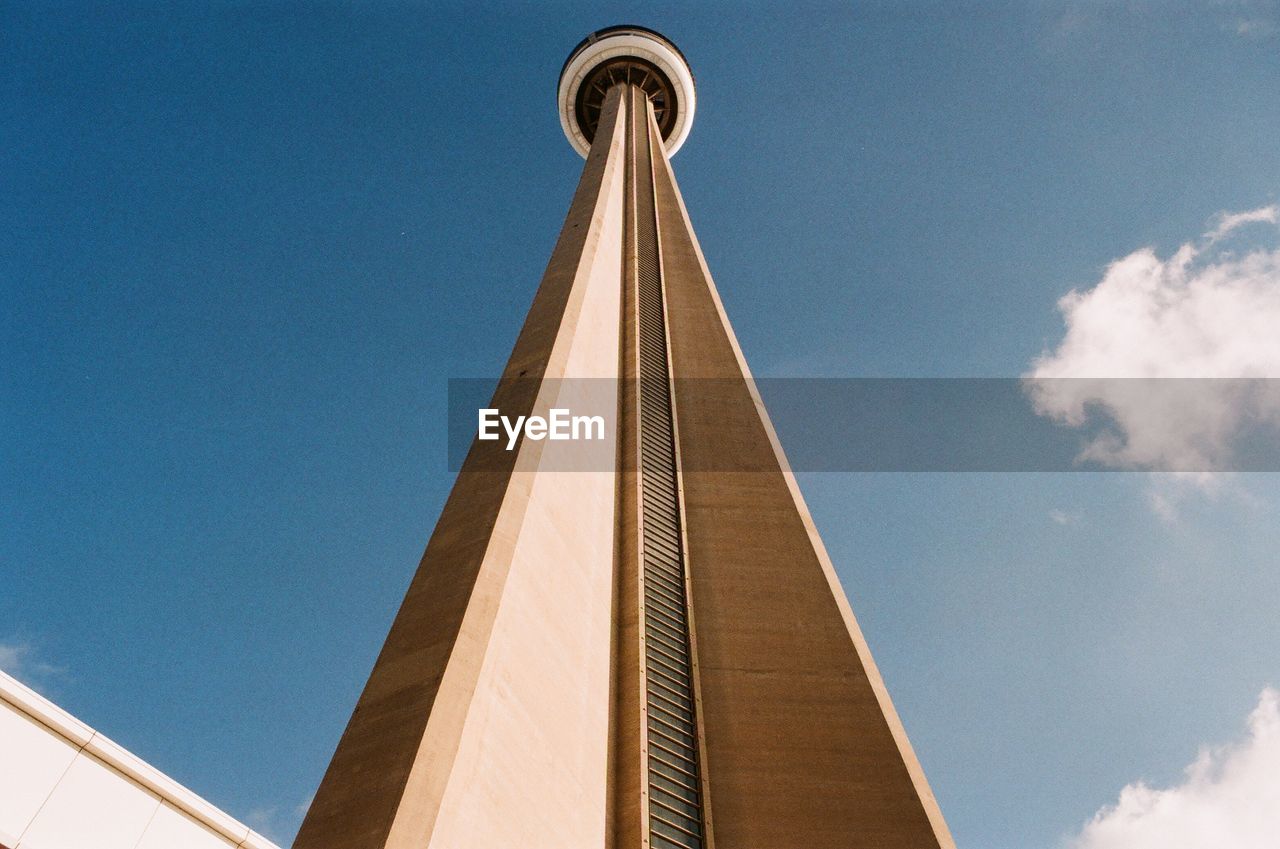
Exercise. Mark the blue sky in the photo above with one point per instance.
(244, 248)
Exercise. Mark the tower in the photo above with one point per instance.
(654, 651)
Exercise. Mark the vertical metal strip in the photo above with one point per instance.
(657, 160)
(673, 769)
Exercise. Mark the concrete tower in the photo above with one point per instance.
(655, 651)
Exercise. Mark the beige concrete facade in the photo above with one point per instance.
(485, 720)
(804, 747)
(654, 653)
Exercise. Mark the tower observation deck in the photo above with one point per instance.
(626, 54)
(654, 652)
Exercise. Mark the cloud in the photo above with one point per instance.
(20, 659)
(1257, 28)
(1228, 221)
(1168, 493)
(1062, 517)
(1206, 312)
(1229, 798)
(278, 822)
(266, 821)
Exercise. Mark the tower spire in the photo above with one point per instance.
(652, 653)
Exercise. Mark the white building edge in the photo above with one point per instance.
(65, 786)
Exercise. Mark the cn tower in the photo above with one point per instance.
(653, 653)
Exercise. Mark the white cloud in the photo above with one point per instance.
(1205, 312)
(11, 657)
(1167, 493)
(1063, 517)
(20, 659)
(1228, 221)
(1255, 28)
(1229, 798)
(266, 821)
(278, 822)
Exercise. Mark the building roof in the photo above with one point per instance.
(42, 755)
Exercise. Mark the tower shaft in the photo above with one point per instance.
(655, 652)
(661, 795)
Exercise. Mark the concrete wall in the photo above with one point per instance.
(803, 745)
(531, 764)
(65, 786)
(485, 721)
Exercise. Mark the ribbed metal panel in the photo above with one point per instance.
(675, 797)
